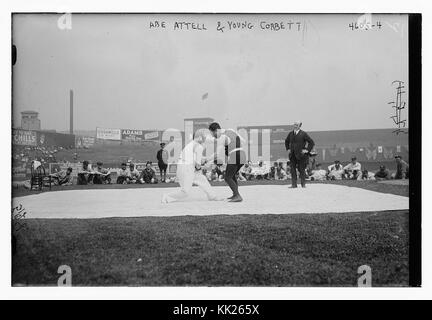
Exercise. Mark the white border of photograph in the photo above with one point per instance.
(220, 6)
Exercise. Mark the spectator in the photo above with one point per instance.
(402, 168)
(245, 173)
(318, 174)
(366, 175)
(36, 163)
(102, 175)
(288, 169)
(134, 174)
(63, 178)
(217, 172)
(353, 169)
(272, 172)
(311, 162)
(204, 172)
(335, 171)
(123, 176)
(262, 171)
(382, 174)
(148, 175)
(280, 173)
(85, 175)
(162, 157)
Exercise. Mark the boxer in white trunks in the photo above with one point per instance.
(189, 170)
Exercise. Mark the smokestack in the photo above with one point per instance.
(71, 113)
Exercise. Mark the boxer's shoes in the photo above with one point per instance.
(235, 198)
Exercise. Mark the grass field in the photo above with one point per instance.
(222, 250)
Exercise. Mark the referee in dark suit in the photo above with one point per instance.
(299, 145)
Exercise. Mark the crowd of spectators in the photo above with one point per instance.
(23, 156)
(316, 172)
(127, 174)
(354, 171)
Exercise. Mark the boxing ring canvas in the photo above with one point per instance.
(259, 199)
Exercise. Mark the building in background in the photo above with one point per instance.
(30, 120)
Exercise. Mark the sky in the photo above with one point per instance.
(125, 74)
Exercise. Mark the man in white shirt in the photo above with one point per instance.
(335, 171)
(123, 175)
(134, 174)
(36, 163)
(102, 175)
(245, 172)
(189, 170)
(262, 171)
(353, 169)
(318, 174)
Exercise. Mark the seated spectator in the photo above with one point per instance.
(85, 175)
(134, 174)
(207, 172)
(36, 163)
(204, 171)
(245, 172)
(353, 169)
(280, 173)
(102, 175)
(318, 174)
(311, 163)
(148, 175)
(382, 174)
(62, 178)
(366, 175)
(217, 172)
(335, 171)
(402, 168)
(261, 172)
(288, 169)
(272, 172)
(123, 176)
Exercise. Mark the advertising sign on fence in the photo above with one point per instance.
(132, 135)
(108, 134)
(24, 137)
(84, 142)
(151, 135)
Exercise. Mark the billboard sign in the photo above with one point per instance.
(151, 135)
(24, 137)
(84, 142)
(132, 135)
(108, 134)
